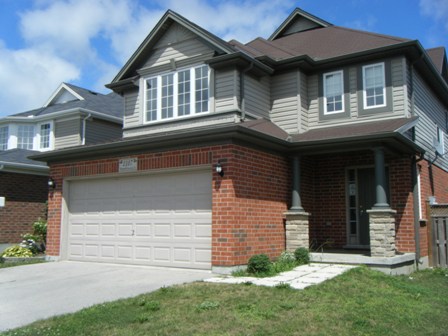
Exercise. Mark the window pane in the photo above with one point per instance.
(167, 96)
(374, 85)
(45, 136)
(333, 92)
(201, 94)
(4, 138)
(25, 136)
(184, 92)
(151, 99)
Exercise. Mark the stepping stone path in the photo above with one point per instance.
(299, 278)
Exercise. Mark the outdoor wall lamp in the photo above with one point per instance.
(51, 184)
(219, 169)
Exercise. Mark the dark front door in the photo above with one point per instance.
(361, 197)
(366, 200)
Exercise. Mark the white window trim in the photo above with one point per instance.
(175, 95)
(364, 86)
(38, 136)
(326, 112)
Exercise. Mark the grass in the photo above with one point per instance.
(19, 263)
(359, 302)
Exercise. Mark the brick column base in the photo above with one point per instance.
(297, 230)
(382, 232)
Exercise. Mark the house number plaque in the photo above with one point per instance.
(127, 165)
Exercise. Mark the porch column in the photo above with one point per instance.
(381, 216)
(380, 180)
(382, 232)
(296, 202)
(297, 224)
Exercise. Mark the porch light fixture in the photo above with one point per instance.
(51, 184)
(219, 169)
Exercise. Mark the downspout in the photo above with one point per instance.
(84, 126)
(416, 206)
(243, 98)
(415, 192)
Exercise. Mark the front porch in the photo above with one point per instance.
(357, 209)
(401, 263)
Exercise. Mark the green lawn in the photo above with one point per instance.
(360, 302)
(19, 263)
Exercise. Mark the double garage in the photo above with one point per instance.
(157, 219)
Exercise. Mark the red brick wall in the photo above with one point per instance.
(26, 197)
(248, 202)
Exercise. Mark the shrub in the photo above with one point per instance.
(17, 251)
(40, 229)
(302, 256)
(287, 257)
(259, 263)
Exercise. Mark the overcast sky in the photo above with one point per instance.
(86, 42)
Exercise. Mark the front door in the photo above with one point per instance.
(361, 197)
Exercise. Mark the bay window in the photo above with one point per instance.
(25, 136)
(176, 94)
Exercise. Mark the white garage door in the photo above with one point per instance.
(160, 219)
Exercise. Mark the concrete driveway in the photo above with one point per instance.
(33, 292)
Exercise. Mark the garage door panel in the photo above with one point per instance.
(145, 220)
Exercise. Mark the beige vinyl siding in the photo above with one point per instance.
(178, 51)
(67, 133)
(313, 95)
(99, 131)
(132, 109)
(226, 90)
(398, 82)
(257, 96)
(304, 103)
(431, 114)
(285, 109)
(353, 91)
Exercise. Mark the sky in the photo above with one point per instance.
(85, 42)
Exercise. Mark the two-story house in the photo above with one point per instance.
(318, 136)
(72, 116)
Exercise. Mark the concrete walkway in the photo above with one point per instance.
(299, 278)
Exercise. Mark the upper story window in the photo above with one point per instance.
(4, 135)
(333, 83)
(177, 94)
(25, 136)
(440, 144)
(374, 85)
(45, 136)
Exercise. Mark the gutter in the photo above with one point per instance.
(84, 126)
(63, 113)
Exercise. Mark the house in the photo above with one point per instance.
(72, 116)
(319, 136)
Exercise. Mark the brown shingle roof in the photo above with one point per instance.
(388, 126)
(323, 43)
(437, 56)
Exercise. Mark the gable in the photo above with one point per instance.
(62, 95)
(165, 35)
(297, 22)
(178, 44)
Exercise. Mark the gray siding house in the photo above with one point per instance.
(72, 116)
(338, 132)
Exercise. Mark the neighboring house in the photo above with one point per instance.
(340, 134)
(71, 117)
